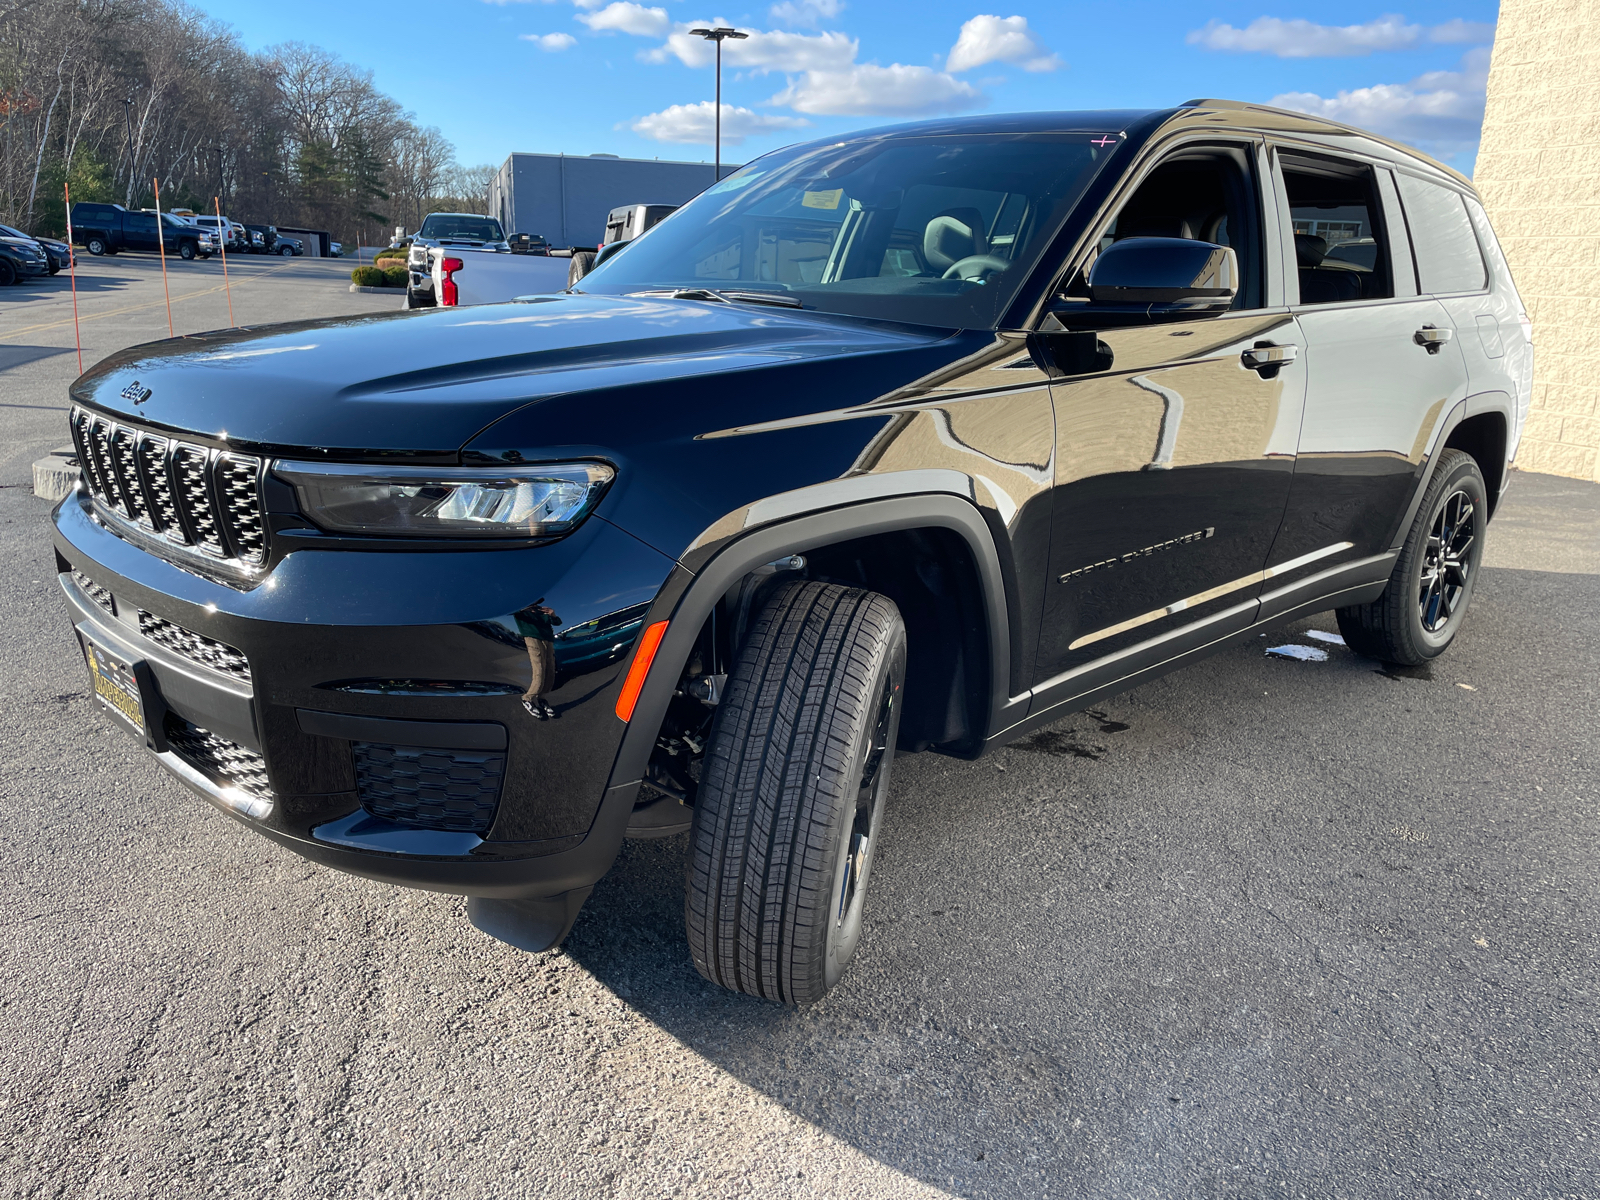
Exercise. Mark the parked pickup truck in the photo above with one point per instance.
(459, 277)
(453, 231)
(109, 228)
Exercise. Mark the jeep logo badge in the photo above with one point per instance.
(136, 393)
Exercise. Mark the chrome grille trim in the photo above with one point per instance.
(203, 503)
(196, 647)
(226, 764)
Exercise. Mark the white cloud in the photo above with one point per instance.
(1441, 111)
(776, 50)
(550, 42)
(1305, 39)
(805, 12)
(627, 17)
(986, 39)
(695, 123)
(1471, 33)
(866, 89)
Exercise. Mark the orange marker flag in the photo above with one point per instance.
(72, 274)
(161, 240)
(222, 240)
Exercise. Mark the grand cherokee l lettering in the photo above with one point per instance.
(912, 441)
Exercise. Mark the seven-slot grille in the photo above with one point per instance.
(196, 647)
(193, 497)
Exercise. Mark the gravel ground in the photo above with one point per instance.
(1263, 928)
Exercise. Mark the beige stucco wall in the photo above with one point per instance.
(1539, 174)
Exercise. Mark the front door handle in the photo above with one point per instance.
(1431, 338)
(1264, 357)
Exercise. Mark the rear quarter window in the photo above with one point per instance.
(1448, 256)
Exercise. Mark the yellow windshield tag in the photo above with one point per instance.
(828, 200)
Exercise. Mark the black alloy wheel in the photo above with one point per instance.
(1420, 612)
(789, 814)
(95, 246)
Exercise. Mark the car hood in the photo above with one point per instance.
(422, 384)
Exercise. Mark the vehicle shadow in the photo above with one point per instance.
(1153, 949)
(55, 286)
(18, 356)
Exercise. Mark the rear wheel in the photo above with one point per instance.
(582, 263)
(789, 811)
(1421, 610)
(95, 246)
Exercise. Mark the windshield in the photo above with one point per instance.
(932, 230)
(478, 229)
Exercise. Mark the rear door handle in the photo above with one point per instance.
(1431, 338)
(1265, 355)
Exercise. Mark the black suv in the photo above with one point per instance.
(110, 228)
(915, 440)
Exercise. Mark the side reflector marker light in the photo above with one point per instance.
(649, 643)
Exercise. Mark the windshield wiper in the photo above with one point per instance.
(726, 296)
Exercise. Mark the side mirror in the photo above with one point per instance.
(1157, 278)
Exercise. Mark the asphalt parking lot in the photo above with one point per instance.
(1264, 928)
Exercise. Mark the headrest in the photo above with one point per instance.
(1309, 250)
(954, 234)
(1167, 227)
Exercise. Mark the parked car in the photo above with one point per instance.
(111, 229)
(912, 439)
(286, 246)
(623, 225)
(263, 238)
(461, 231)
(233, 235)
(57, 253)
(528, 243)
(462, 277)
(335, 250)
(21, 258)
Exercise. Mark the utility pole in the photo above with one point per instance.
(718, 36)
(127, 112)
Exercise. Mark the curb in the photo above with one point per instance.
(383, 291)
(55, 475)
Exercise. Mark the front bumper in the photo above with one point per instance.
(343, 655)
(29, 267)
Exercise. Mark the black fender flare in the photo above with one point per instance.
(686, 600)
(1475, 405)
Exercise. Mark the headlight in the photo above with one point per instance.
(534, 501)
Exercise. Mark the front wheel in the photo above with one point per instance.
(789, 812)
(582, 263)
(186, 251)
(287, 251)
(1420, 612)
(8, 273)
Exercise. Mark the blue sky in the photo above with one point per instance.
(623, 77)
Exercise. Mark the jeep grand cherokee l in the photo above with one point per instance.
(916, 440)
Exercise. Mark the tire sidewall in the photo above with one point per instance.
(844, 936)
(9, 273)
(1463, 477)
(186, 251)
(95, 246)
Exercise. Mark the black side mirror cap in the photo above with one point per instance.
(1150, 279)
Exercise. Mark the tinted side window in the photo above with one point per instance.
(1448, 258)
(139, 223)
(1490, 242)
(1341, 248)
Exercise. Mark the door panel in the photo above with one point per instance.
(1374, 401)
(1172, 473)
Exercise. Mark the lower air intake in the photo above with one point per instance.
(225, 763)
(455, 790)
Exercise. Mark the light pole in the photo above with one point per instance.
(718, 36)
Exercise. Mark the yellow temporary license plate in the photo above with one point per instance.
(114, 684)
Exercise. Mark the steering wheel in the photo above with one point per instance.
(975, 266)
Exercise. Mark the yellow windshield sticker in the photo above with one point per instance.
(828, 200)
